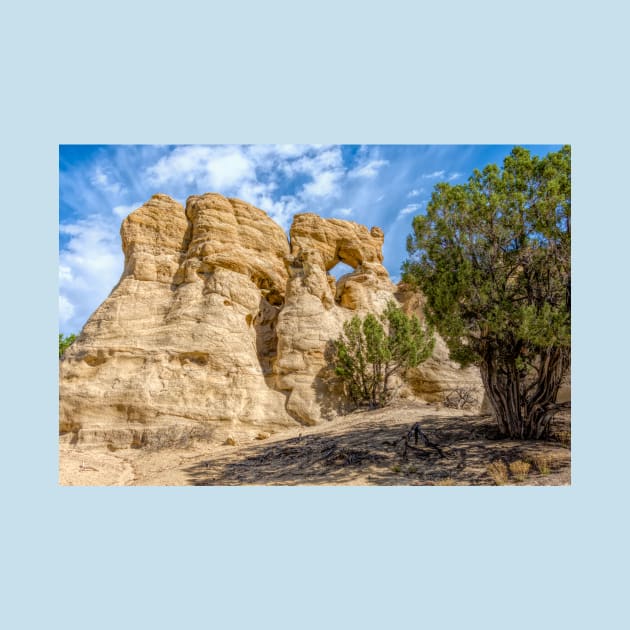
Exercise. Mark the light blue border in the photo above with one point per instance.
(320, 72)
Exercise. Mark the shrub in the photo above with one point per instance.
(499, 472)
(64, 343)
(542, 463)
(520, 469)
(371, 350)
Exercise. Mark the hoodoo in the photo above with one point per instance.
(219, 325)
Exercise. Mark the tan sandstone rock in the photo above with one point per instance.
(438, 376)
(218, 327)
(316, 307)
(173, 352)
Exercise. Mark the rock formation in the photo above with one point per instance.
(219, 326)
(438, 375)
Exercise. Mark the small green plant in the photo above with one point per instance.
(64, 343)
(499, 472)
(520, 469)
(371, 350)
(396, 468)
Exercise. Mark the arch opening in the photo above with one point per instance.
(340, 269)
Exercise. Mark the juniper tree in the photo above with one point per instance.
(492, 257)
(371, 350)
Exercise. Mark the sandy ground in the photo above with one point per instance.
(362, 448)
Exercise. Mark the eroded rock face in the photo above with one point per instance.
(438, 376)
(219, 327)
(316, 306)
(184, 344)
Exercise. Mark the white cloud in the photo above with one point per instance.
(65, 274)
(266, 152)
(90, 264)
(344, 212)
(66, 310)
(324, 167)
(369, 169)
(453, 176)
(103, 181)
(215, 168)
(324, 184)
(409, 209)
(123, 210)
(250, 172)
(320, 161)
(433, 175)
(415, 192)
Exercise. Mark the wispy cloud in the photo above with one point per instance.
(66, 310)
(217, 168)
(104, 181)
(324, 184)
(409, 209)
(90, 265)
(124, 209)
(99, 186)
(325, 170)
(368, 170)
(433, 175)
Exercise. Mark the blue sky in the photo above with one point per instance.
(384, 185)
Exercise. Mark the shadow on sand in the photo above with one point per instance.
(367, 452)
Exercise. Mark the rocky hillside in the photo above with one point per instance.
(220, 323)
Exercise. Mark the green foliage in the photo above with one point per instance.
(64, 342)
(493, 258)
(370, 351)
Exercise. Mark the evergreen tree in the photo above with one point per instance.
(493, 258)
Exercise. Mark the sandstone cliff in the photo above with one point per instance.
(219, 326)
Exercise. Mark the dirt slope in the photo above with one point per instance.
(362, 448)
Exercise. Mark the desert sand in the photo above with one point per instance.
(363, 448)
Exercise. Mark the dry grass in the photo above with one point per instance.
(520, 469)
(542, 464)
(564, 437)
(446, 482)
(498, 471)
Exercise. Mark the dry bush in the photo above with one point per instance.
(460, 398)
(520, 469)
(542, 463)
(445, 482)
(499, 472)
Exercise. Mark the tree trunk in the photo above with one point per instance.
(524, 406)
